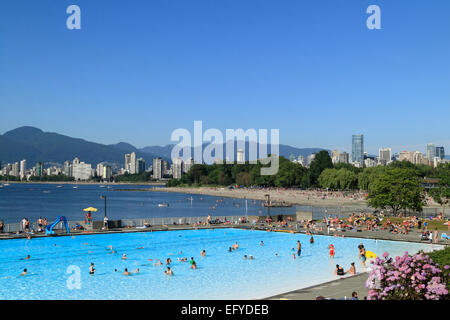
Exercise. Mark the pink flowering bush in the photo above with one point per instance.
(408, 278)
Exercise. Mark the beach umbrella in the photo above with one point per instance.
(92, 209)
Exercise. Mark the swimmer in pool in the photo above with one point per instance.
(168, 272)
(245, 256)
(168, 261)
(124, 256)
(126, 273)
(251, 257)
(137, 270)
(159, 263)
(91, 268)
(261, 243)
(203, 253)
(299, 248)
(311, 240)
(193, 265)
(24, 272)
(28, 257)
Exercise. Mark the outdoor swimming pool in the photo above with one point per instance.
(220, 275)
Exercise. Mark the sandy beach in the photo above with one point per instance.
(301, 197)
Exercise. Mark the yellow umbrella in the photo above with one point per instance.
(90, 209)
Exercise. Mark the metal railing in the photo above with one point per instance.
(138, 222)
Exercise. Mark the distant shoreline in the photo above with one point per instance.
(85, 182)
(288, 196)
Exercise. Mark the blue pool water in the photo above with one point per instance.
(220, 275)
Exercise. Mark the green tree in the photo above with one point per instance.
(441, 194)
(397, 188)
(321, 161)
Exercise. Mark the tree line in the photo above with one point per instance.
(397, 186)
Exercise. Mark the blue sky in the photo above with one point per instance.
(137, 70)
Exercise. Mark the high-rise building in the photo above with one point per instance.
(165, 168)
(39, 169)
(157, 168)
(344, 157)
(431, 151)
(67, 169)
(335, 156)
(440, 153)
(133, 162)
(107, 172)
(240, 156)
(384, 156)
(188, 165)
(15, 169)
(99, 170)
(23, 167)
(358, 149)
(177, 168)
(127, 162)
(81, 170)
(140, 165)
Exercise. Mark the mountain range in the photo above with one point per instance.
(35, 145)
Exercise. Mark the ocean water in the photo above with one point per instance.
(47, 200)
(220, 275)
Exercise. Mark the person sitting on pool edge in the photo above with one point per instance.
(352, 269)
(339, 271)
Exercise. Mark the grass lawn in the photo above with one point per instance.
(432, 224)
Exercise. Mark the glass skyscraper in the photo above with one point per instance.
(358, 149)
(440, 153)
(431, 151)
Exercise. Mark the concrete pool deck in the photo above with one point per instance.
(336, 289)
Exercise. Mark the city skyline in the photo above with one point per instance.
(311, 69)
(415, 147)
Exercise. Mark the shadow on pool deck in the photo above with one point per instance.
(336, 289)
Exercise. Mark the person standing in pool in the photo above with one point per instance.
(331, 247)
(299, 248)
(168, 272)
(362, 254)
(91, 268)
